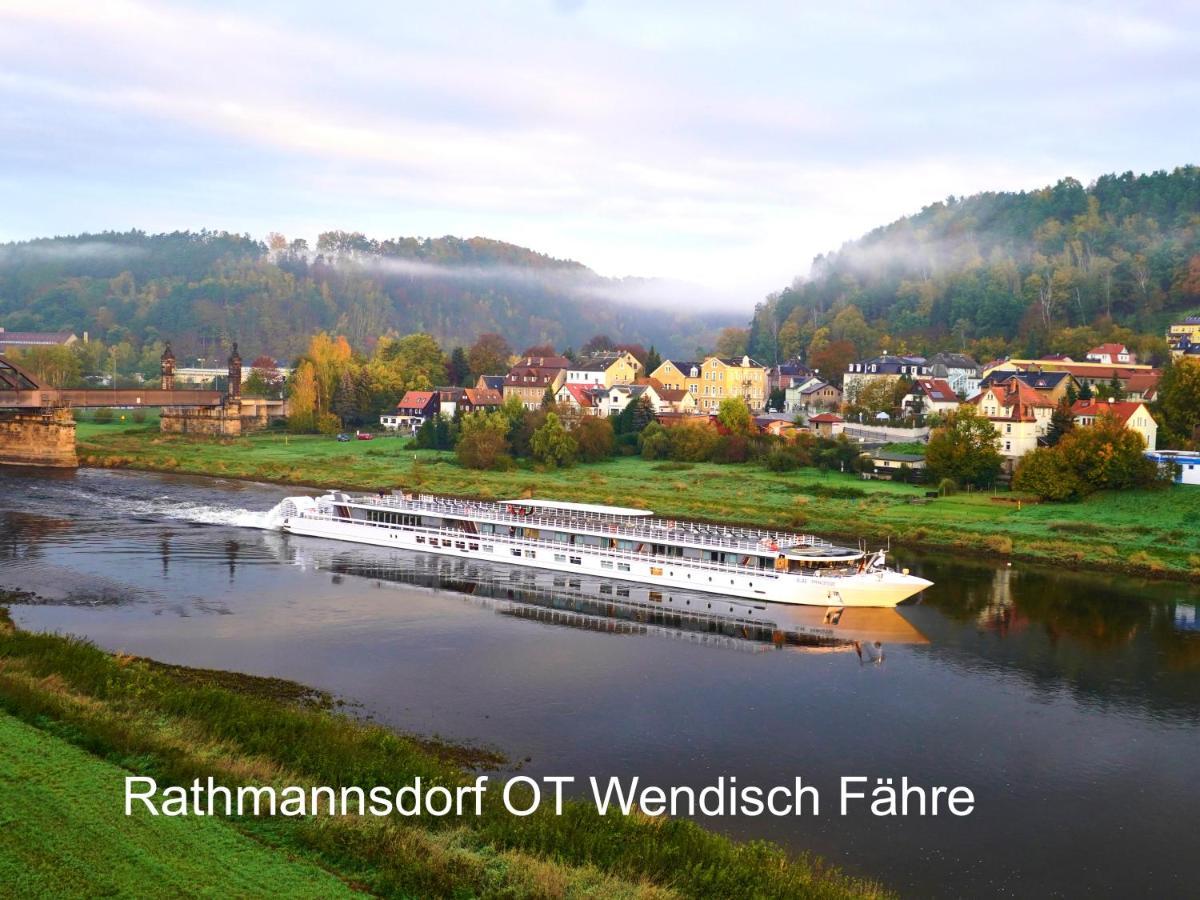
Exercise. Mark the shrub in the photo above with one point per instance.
(102, 416)
(594, 435)
(781, 459)
(139, 416)
(654, 442)
(694, 442)
(483, 441)
(551, 444)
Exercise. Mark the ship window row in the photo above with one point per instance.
(387, 517)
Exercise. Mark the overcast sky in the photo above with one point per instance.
(724, 143)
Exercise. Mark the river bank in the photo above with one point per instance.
(1149, 533)
(106, 715)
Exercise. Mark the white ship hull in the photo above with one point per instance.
(870, 588)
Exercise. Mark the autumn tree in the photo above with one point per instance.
(483, 441)
(964, 449)
(551, 443)
(302, 399)
(735, 417)
(595, 439)
(1177, 407)
(489, 355)
(732, 342)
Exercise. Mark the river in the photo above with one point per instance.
(1067, 702)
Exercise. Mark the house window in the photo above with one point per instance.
(1007, 446)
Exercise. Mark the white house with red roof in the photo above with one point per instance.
(1112, 355)
(584, 399)
(931, 395)
(1133, 414)
(827, 424)
(1020, 414)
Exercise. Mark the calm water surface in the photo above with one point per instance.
(1068, 703)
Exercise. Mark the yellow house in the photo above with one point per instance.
(1183, 334)
(715, 379)
(605, 369)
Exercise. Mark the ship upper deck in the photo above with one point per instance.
(610, 521)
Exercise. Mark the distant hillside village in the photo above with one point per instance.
(881, 416)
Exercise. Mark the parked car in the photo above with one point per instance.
(343, 438)
(364, 435)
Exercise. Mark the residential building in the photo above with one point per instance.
(1133, 414)
(1055, 385)
(1092, 374)
(1183, 335)
(1111, 355)
(715, 379)
(414, 410)
(490, 383)
(827, 424)
(448, 400)
(581, 399)
(931, 395)
(528, 380)
(1185, 463)
(889, 368)
(616, 398)
(1019, 413)
(812, 395)
(23, 340)
(480, 398)
(888, 464)
(605, 369)
(960, 371)
(1142, 386)
(782, 376)
(675, 401)
(778, 424)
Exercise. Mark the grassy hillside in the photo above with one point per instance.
(1154, 533)
(179, 724)
(64, 835)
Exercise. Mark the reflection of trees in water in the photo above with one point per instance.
(22, 534)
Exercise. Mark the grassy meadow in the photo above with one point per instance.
(74, 720)
(1146, 532)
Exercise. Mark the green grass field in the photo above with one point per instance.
(63, 834)
(96, 716)
(1146, 532)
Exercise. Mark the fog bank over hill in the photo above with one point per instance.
(203, 289)
(998, 272)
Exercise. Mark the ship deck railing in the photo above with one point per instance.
(657, 531)
(828, 576)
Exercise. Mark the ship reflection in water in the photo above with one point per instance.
(617, 607)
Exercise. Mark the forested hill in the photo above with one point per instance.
(203, 289)
(1020, 272)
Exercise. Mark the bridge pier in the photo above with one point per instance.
(38, 438)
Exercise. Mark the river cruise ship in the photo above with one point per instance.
(612, 541)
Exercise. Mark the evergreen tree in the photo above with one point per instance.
(1086, 392)
(1062, 421)
(653, 359)
(345, 400)
(548, 398)
(458, 369)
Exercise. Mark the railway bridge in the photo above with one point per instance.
(37, 426)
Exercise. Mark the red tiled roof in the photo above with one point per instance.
(1122, 410)
(581, 394)
(938, 390)
(670, 396)
(826, 417)
(415, 400)
(1113, 350)
(483, 397)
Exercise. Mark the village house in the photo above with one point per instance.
(448, 400)
(886, 368)
(581, 399)
(1092, 374)
(827, 424)
(1055, 385)
(1142, 386)
(716, 379)
(414, 410)
(619, 396)
(529, 379)
(1111, 355)
(960, 371)
(677, 375)
(1019, 413)
(782, 376)
(490, 383)
(812, 395)
(672, 400)
(888, 463)
(474, 399)
(931, 395)
(1133, 414)
(605, 369)
(1184, 337)
(777, 424)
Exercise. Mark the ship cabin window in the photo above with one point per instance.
(387, 517)
(623, 567)
(560, 557)
(420, 538)
(606, 564)
(531, 554)
(489, 548)
(445, 542)
(516, 551)
(576, 561)
(460, 545)
(473, 547)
